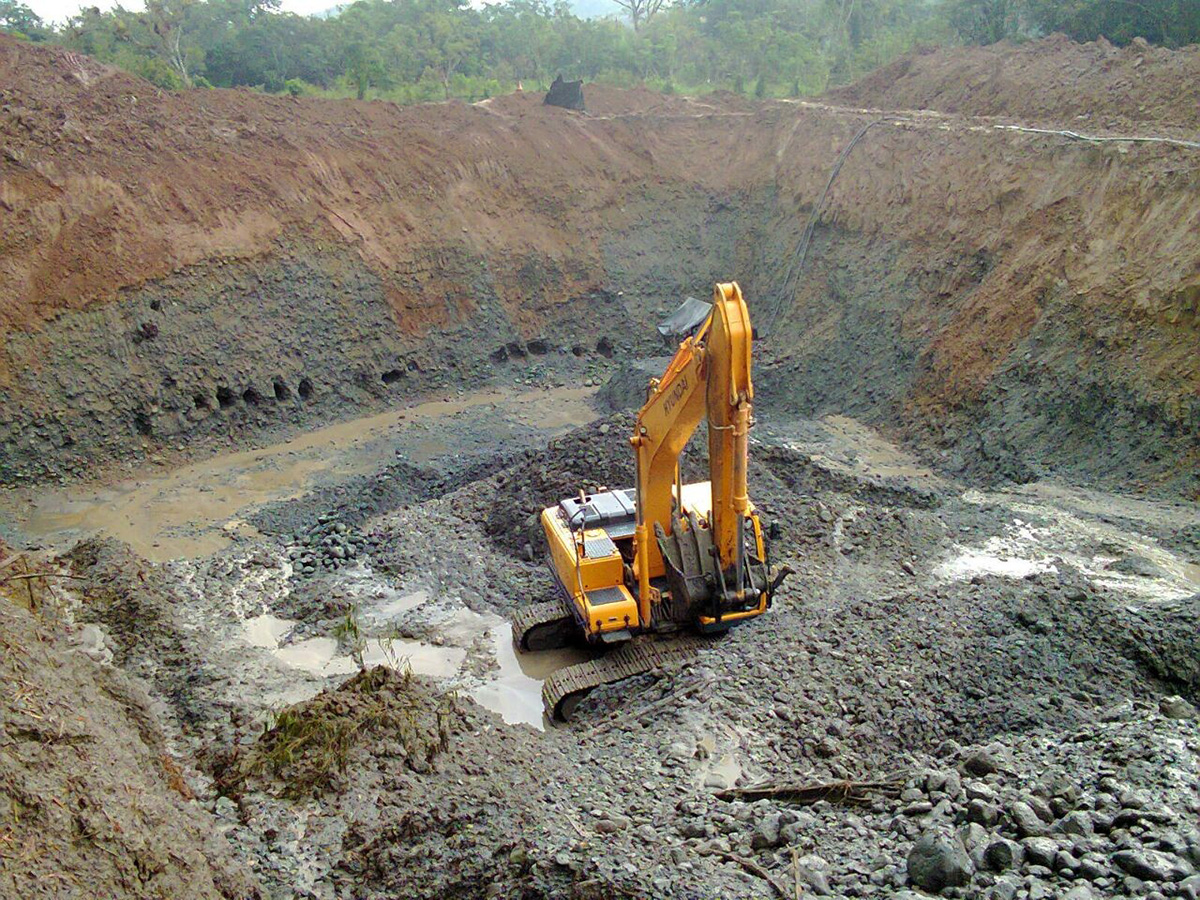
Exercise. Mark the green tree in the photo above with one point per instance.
(984, 21)
(17, 18)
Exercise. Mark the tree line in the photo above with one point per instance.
(420, 50)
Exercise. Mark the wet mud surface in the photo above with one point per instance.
(1005, 678)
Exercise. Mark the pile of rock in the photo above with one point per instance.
(980, 832)
(328, 546)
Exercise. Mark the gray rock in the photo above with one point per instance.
(980, 762)
(766, 833)
(986, 814)
(1040, 851)
(1079, 892)
(1040, 807)
(1003, 854)
(1065, 860)
(1025, 820)
(1077, 823)
(1150, 865)
(972, 835)
(1005, 888)
(980, 790)
(938, 861)
(1176, 708)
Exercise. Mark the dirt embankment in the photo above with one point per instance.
(1093, 86)
(94, 803)
(178, 267)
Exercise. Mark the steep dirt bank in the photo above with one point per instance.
(207, 264)
(93, 802)
(1094, 85)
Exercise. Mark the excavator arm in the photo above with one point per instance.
(709, 377)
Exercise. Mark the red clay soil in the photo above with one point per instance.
(1083, 86)
(107, 182)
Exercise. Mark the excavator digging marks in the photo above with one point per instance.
(543, 626)
(563, 689)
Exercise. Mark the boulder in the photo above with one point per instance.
(937, 861)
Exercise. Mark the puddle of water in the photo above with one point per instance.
(1013, 555)
(423, 659)
(185, 513)
(727, 769)
(266, 631)
(1027, 550)
(320, 656)
(871, 452)
(515, 691)
(317, 656)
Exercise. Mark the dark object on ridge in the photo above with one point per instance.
(567, 94)
(684, 321)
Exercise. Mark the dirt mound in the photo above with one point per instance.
(94, 803)
(594, 458)
(309, 746)
(1080, 86)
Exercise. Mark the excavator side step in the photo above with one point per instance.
(543, 626)
(566, 687)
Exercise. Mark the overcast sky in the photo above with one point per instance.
(59, 10)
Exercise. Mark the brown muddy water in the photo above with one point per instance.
(196, 510)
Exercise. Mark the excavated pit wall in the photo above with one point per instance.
(1017, 303)
(309, 333)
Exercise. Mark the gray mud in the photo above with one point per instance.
(1001, 682)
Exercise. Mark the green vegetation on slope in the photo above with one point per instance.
(415, 50)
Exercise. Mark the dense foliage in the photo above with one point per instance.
(410, 50)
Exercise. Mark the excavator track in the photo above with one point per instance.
(543, 626)
(563, 689)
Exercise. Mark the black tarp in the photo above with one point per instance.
(567, 94)
(685, 320)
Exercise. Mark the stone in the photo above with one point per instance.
(953, 786)
(1064, 860)
(986, 814)
(1040, 851)
(1041, 808)
(1077, 823)
(980, 790)
(1176, 708)
(938, 861)
(1089, 869)
(766, 833)
(1151, 865)
(1001, 855)
(980, 762)
(972, 835)
(1079, 892)
(1025, 820)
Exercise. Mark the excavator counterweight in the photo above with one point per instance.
(663, 557)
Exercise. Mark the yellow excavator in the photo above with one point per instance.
(665, 556)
